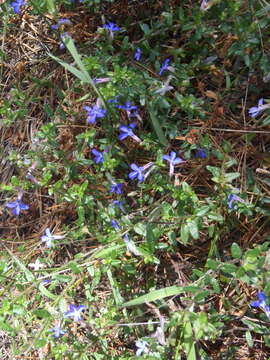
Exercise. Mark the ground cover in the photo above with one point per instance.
(134, 180)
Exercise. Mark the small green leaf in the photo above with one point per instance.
(193, 229)
(140, 229)
(229, 268)
(249, 339)
(41, 313)
(236, 251)
(184, 233)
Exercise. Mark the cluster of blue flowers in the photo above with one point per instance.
(16, 5)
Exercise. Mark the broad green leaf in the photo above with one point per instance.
(193, 229)
(50, 6)
(155, 295)
(232, 176)
(157, 128)
(236, 251)
(105, 253)
(202, 210)
(188, 342)
(140, 228)
(229, 268)
(249, 339)
(184, 233)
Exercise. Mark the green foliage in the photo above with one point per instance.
(189, 250)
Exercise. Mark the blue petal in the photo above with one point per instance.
(132, 175)
(24, 206)
(12, 204)
(122, 136)
(261, 296)
(256, 304)
(166, 157)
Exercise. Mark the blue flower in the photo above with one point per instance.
(126, 131)
(138, 54)
(232, 198)
(16, 5)
(110, 26)
(142, 347)
(261, 303)
(48, 238)
(136, 173)
(200, 153)
(17, 206)
(75, 312)
(98, 156)
(115, 224)
(255, 110)
(57, 332)
(173, 160)
(94, 113)
(119, 204)
(164, 66)
(117, 188)
(131, 110)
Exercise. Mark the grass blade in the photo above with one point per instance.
(155, 295)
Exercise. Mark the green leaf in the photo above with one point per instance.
(232, 176)
(46, 292)
(202, 210)
(188, 342)
(80, 75)
(184, 233)
(50, 6)
(249, 339)
(140, 228)
(229, 268)
(212, 264)
(42, 313)
(74, 267)
(236, 251)
(155, 295)
(69, 43)
(193, 229)
(116, 294)
(157, 128)
(107, 252)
